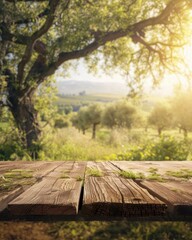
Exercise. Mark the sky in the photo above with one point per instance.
(165, 88)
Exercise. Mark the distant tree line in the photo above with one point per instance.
(175, 113)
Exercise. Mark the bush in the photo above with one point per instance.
(13, 150)
(61, 123)
(167, 148)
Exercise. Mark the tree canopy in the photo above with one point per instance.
(160, 117)
(182, 111)
(142, 37)
(120, 115)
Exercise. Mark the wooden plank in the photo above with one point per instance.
(57, 194)
(161, 167)
(135, 167)
(104, 168)
(7, 197)
(9, 165)
(19, 185)
(182, 187)
(118, 197)
(178, 203)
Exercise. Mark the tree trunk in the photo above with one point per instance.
(94, 131)
(185, 133)
(159, 131)
(25, 116)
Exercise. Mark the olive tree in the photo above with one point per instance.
(120, 114)
(81, 120)
(160, 117)
(182, 111)
(39, 36)
(87, 117)
(94, 117)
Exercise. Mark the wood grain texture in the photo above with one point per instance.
(178, 203)
(57, 194)
(115, 196)
(105, 168)
(18, 185)
(184, 188)
(58, 189)
(160, 167)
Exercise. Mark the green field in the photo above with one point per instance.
(87, 99)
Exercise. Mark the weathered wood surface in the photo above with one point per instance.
(113, 196)
(95, 190)
(162, 167)
(178, 204)
(16, 182)
(57, 194)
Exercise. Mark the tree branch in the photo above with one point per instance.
(102, 38)
(29, 48)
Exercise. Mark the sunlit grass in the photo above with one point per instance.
(183, 173)
(131, 175)
(94, 172)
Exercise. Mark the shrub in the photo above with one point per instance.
(167, 148)
(61, 123)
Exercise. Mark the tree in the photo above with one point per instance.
(119, 114)
(81, 120)
(88, 117)
(94, 112)
(160, 117)
(37, 37)
(182, 111)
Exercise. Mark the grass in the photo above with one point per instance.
(117, 144)
(183, 173)
(93, 172)
(64, 175)
(95, 230)
(79, 179)
(131, 175)
(18, 174)
(153, 170)
(138, 175)
(87, 99)
(15, 178)
(154, 175)
(70, 144)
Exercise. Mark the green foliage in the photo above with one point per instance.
(131, 175)
(167, 148)
(121, 230)
(11, 147)
(14, 178)
(182, 111)
(120, 115)
(45, 101)
(87, 117)
(69, 144)
(183, 173)
(96, 230)
(61, 122)
(160, 117)
(37, 37)
(94, 172)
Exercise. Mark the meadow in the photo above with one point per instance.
(65, 142)
(137, 144)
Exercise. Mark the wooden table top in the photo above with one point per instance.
(72, 190)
